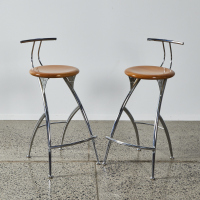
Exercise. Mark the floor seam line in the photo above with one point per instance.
(47, 161)
(90, 161)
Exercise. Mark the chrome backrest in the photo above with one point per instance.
(35, 40)
(167, 41)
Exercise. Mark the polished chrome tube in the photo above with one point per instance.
(164, 40)
(43, 85)
(34, 132)
(39, 53)
(60, 122)
(170, 47)
(130, 145)
(148, 124)
(83, 113)
(162, 89)
(167, 135)
(164, 54)
(73, 143)
(32, 54)
(134, 125)
(118, 117)
(68, 121)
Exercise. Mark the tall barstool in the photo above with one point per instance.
(68, 73)
(135, 74)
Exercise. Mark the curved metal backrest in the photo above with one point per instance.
(167, 41)
(36, 40)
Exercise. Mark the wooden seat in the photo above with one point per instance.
(54, 71)
(149, 72)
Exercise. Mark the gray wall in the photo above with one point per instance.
(102, 38)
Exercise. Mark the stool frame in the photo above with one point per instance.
(70, 83)
(133, 84)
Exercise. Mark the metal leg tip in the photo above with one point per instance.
(104, 163)
(28, 156)
(171, 157)
(152, 178)
(50, 176)
(61, 148)
(98, 163)
(138, 149)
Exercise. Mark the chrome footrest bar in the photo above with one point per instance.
(73, 143)
(167, 135)
(148, 124)
(52, 123)
(130, 145)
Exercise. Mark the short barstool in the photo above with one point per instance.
(68, 73)
(135, 74)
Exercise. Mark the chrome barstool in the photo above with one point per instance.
(135, 74)
(68, 73)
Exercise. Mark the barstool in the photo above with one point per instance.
(68, 73)
(135, 74)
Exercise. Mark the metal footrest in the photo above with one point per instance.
(148, 124)
(53, 123)
(73, 143)
(130, 145)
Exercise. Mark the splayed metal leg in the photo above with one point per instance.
(162, 84)
(134, 82)
(167, 135)
(133, 86)
(43, 82)
(34, 133)
(68, 121)
(134, 125)
(69, 81)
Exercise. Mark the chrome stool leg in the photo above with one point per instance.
(34, 133)
(68, 121)
(43, 82)
(162, 84)
(133, 86)
(70, 82)
(134, 125)
(167, 135)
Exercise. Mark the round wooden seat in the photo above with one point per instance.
(54, 71)
(149, 72)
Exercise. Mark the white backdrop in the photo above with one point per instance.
(102, 38)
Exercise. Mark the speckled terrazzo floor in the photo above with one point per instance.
(76, 175)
